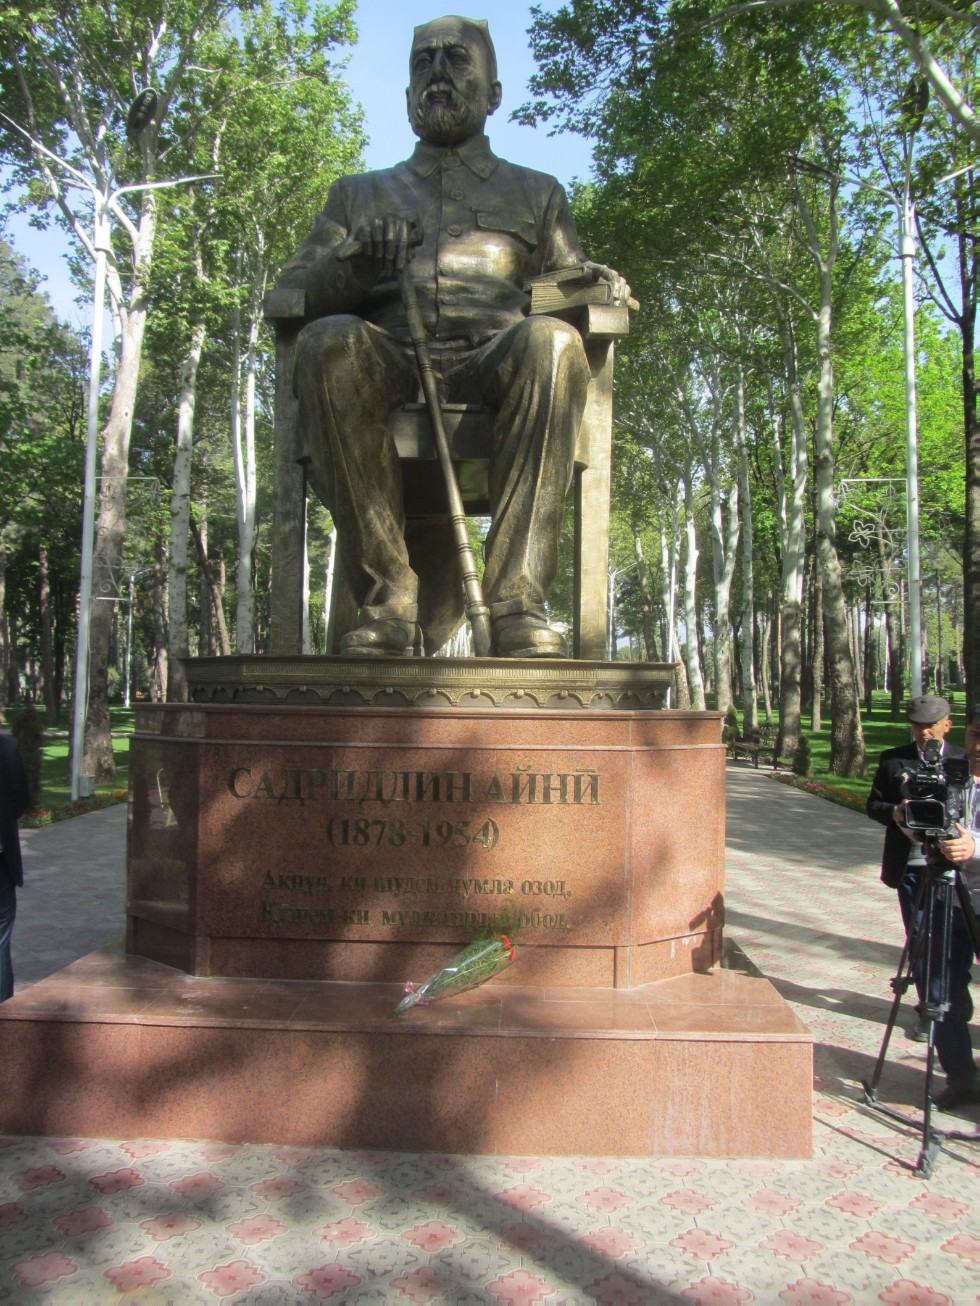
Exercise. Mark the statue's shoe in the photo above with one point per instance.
(383, 638)
(527, 635)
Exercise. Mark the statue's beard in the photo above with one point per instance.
(441, 116)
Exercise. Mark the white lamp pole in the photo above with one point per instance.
(914, 106)
(906, 250)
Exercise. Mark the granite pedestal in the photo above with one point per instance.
(289, 869)
(368, 844)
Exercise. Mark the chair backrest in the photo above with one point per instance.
(601, 325)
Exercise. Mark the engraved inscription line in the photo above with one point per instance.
(576, 788)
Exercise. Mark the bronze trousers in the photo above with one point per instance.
(348, 377)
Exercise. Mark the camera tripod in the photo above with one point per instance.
(926, 955)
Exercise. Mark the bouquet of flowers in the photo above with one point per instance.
(478, 962)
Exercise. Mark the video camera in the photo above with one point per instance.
(938, 794)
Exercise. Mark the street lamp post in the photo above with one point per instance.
(906, 249)
(905, 208)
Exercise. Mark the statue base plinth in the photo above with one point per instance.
(291, 867)
(121, 1047)
(369, 844)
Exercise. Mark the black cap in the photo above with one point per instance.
(926, 709)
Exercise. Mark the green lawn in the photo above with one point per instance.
(55, 800)
(880, 732)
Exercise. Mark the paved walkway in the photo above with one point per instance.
(74, 892)
(89, 1221)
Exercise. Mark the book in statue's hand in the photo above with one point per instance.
(569, 288)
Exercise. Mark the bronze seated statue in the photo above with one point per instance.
(473, 232)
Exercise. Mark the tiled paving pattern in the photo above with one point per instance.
(91, 1221)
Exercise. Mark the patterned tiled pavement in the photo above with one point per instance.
(84, 1220)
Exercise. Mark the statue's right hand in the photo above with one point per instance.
(387, 241)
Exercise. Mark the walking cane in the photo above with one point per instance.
(476, 609)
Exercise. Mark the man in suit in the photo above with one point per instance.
(964, 853)
(903, 864)
(15, 799)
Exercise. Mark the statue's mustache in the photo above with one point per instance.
(440, 90)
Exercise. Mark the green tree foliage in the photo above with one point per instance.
(251, 91)
(274, 100)
(723, 151)
(41, 451)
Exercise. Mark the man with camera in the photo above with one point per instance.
(964, 852)
(904, 863)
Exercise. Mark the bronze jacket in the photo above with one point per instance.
(488, 226)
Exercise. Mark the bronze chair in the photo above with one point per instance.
(601, 325)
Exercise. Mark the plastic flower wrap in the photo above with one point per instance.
(477, 963)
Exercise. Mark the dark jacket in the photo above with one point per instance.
(15, 798)
(887, 791)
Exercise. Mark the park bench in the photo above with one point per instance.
(762, 743)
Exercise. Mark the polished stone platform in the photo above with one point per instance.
(710, 1064)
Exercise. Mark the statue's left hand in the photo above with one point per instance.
(620, 287)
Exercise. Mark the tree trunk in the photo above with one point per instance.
(846, 737)
(243, 457)
(816, 661)
(158, 662)
(791, 502)
(214, 590)
(649, 637)
(47, 637)
(891, 591)
(724, 554)
(178, 644)
(764, 676)
(110, 535)
(669, 551)
(857, 650)
(724, 545)
(750, 700)
(205, 636)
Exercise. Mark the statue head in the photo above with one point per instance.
(453, 86)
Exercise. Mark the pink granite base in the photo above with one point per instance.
(119, 1046)
(369, 844)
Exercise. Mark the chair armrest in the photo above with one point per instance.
(284, 309)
